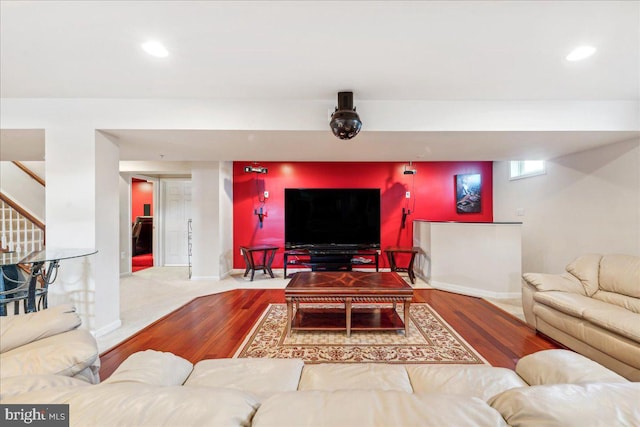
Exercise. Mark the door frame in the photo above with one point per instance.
(157, 244)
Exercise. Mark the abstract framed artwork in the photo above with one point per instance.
(468, 187)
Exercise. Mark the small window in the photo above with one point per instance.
(526, 168)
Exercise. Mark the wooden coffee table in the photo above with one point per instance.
(347, 289)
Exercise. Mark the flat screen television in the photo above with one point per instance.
(331, 217)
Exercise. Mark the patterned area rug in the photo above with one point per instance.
(430, 340)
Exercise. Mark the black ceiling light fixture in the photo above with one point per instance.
(409, 170)
(345, 122)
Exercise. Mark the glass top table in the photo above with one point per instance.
(45, 255)
(38, 266)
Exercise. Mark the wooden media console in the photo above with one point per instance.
(332, 259)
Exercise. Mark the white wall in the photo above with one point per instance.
(587, 202)
(478, 259)
(20, 187)
(36, 167)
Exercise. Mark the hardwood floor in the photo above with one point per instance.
(214, 326)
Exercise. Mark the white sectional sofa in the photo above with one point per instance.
(48, 342)
(150, 388)
(593, 308)
(551, 388)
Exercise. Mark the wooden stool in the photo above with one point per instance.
(391, 255)
(268, 252)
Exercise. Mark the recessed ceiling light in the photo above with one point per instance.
(580, 53)
(155, 49)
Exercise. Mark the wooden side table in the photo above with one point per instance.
(391, 255)
(258, 263)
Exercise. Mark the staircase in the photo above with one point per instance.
(18, 232)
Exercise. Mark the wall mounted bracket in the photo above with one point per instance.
(405, 213)
(261, 215)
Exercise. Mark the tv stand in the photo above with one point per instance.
(333, 259)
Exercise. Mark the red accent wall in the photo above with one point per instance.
(141, 194)
(432, 197)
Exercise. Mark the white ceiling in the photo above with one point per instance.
(310, 50)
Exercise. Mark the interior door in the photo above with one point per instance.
(177, 211)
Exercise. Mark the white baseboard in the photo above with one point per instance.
(473, 292)
(106, 329)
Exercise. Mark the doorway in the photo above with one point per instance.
(176, 212)
(142, 217)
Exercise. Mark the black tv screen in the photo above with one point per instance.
(328, 217)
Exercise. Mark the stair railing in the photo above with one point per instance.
(19, 230)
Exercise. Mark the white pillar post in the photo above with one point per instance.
(82, 212)
(212, 207)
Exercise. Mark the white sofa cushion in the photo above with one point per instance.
(620, 274)
(260, 377)
(12, 386)
(344, 376)
(613, 345)
(563, 366)
(587, 269)
(571, 304)
(571, 405)
(63, 354)
(142, 405)
(615, 319)
(629, 303)
(153, 406)
(23, 329)
(364, 408)
(152, 367)
(555, 282)
(617, 346)
(566, 323)
(474, 381)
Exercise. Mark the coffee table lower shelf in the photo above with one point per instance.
(362, 319)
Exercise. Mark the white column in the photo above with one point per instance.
(125, 224)
(226, 218)
(107, 202)
(211, 205)
(82, 212)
